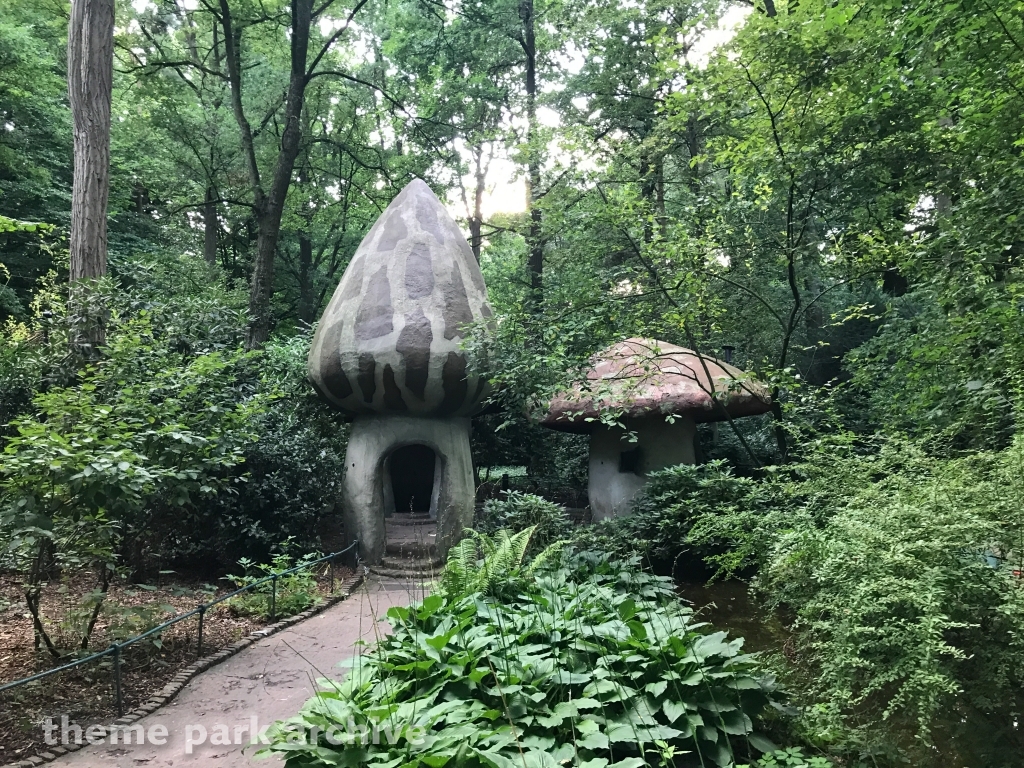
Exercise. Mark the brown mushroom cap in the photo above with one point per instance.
(643, 377)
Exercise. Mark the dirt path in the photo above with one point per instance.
(267, 681)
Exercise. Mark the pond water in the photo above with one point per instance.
(727, 605)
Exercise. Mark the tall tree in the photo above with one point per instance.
(527, 39)
(269, 200)
(237, 32)
(90, 83)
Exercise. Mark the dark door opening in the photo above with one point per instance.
(412, 478)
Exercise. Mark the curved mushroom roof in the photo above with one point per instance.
(646, 377)
(388, 341)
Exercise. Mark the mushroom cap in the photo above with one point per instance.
(645, 377)
(389, 340)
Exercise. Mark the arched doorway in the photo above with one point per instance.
(413, 471)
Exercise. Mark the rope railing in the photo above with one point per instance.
(200, 611)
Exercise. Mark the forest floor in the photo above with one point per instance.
(86, 693)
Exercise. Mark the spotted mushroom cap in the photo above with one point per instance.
(388, 341)
(645, 377)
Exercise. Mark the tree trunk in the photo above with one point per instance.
(476, 221)
(534, 242)
(90, 80)
(210, 225)
(659, 203)
(270, 216)
(307, 312)
(649, 191)
(269, 205)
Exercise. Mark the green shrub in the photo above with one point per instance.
(291, 472)
(899, 612)
(519, 511)
(115, 457)
(670, 518)
(592, 662)
(208, 452)
(293, 593)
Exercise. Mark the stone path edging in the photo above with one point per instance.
(181, 679)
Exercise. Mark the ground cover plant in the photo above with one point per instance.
(589, 661)
(291, 593)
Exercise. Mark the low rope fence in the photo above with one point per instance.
(116, 649)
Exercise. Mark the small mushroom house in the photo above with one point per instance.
(387, 353)
(660, 392)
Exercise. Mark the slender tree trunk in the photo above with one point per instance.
(270, 220)
(210, 226)
(659, 203)
(142, 202)
(306, 308)
(534, 242)
(104, 588)
(41, 566)
(649, 191)
(268, 205)
(476, 221)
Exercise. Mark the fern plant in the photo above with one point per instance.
(491, 564)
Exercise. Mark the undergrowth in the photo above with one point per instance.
(592, 662)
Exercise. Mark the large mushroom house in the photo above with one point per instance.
(387, 354)
(654, 394)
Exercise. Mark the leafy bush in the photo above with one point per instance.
(519, 511)
(128, 621)
(899, 610)
(291, 473)
(173, 446)
(593, 662)
(792, 757)
(293, 593)
(173, 361)
(670, 517)
(113, 458)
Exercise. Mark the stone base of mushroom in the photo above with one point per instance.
(374, 461)
(619, 468)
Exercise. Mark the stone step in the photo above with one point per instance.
(401, 573)
(423, 565)
(408, 520)
(411, 548)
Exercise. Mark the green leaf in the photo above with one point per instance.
(657, 688)
(629, 762)
(761, 743)
(595, 741)
(673, 710)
